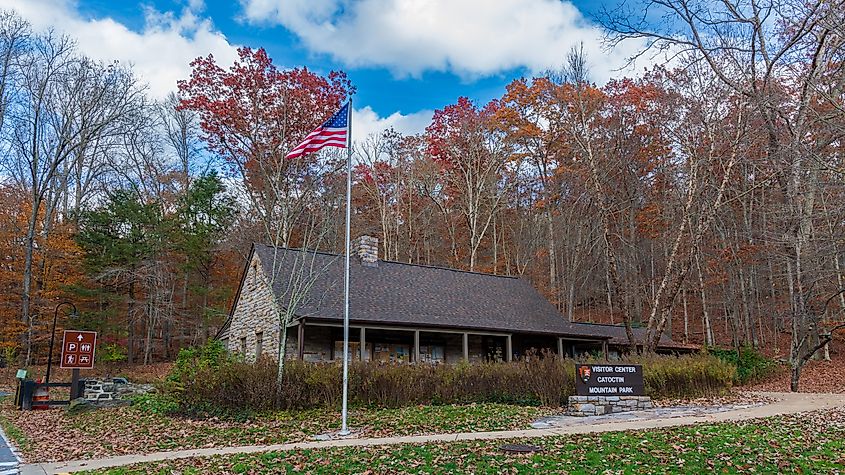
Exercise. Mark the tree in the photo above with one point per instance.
(252, 115)
(584, 102)
(785, 58)
(472, 157)
(204, 215)
(119, 240)
(62, 103)
(533, 120)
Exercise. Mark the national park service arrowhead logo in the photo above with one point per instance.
(584, 373)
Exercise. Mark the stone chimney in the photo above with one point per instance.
(366, 248)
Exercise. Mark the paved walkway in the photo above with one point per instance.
(787, 403)
(549, 422)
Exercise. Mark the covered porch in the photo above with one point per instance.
(322, 342)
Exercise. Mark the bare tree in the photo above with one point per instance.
(62, 103)
(581, 127)
(784, 58)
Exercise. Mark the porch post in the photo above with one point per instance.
(300, 339)
(560, 354)
(416, 346)
(604, 350)
(466, 347)
(509, 348)
(363, 342)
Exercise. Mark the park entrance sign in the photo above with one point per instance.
(609, 380)
(78, 349)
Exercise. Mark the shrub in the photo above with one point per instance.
(687, 376)
(156, 403)
(231, 386)
(751, 365)
(191, 361)
(111, 353)
(548, 378)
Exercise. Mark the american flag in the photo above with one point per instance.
(331, 134)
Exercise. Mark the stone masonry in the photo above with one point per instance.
(255, 316)
(601, 405)
(366, 248)
(112, 389)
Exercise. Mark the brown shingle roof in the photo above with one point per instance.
(395, 293)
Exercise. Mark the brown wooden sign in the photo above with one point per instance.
(609, 380)
(78, 349)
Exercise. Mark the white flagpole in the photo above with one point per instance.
(344, 430)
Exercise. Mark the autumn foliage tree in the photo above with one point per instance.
(698, 200)
(472, 157)
(252, 114)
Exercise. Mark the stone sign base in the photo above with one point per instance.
(601, 405)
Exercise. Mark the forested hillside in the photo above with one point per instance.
(701, 198)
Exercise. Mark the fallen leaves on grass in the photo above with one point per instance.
(802, 443)
(127, 430)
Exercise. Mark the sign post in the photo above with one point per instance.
(77, 353)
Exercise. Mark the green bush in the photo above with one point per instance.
(111, 353)
(232, 386)
(750, 364)
(190, 361)
(159, 404)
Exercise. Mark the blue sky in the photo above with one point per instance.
(406, 57)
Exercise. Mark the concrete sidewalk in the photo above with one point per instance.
(786, 403)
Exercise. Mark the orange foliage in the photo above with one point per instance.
(57, 266)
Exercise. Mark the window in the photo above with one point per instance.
(243, 345)
(253, 281)
(259, 343)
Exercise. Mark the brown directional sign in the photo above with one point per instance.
(78, 349)
(609, 380)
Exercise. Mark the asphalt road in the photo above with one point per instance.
(8, 460)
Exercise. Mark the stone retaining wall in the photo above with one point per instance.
(600, 405)
(110, 389)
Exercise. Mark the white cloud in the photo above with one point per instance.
(365, 122)
(161, 52)
(468, 37)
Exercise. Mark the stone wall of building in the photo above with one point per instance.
(601, 405)
(318, 344)
(255, 316)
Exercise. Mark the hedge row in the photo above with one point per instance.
(232, 385)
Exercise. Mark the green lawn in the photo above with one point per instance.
(806, 443)
(128, 430)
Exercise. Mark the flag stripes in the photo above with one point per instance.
(332, 133)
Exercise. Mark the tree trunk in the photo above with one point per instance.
(283, 338)
(130, 322)
(26, 295)
(686, 315)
